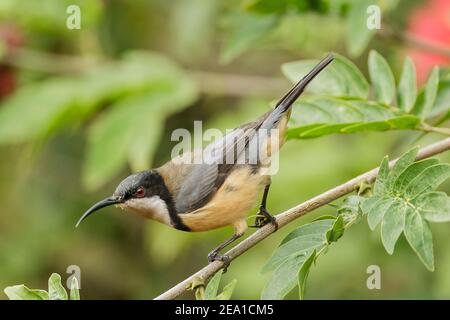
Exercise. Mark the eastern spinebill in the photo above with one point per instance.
(212, 194)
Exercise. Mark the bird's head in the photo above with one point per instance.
(143, 192)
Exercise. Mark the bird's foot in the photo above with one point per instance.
(263, 217)
(216, 256)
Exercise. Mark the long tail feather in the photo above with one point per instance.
(298, 89)
(289, 98)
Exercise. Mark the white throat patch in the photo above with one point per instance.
(151, 208)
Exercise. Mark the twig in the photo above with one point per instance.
(427, 128)
(46, 62)
(411, 40)
(292, 214)
(239, 85)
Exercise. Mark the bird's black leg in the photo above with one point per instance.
(263, 216)
(216, 255)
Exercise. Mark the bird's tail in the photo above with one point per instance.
(298, 89)
(289, 98)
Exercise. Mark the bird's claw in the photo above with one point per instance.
(216, 256)
(264, 217)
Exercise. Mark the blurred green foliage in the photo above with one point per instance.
(91, 105)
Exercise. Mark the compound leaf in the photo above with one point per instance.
(404, 201)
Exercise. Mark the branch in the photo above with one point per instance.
(210, 83)
(47, 62)
(427, 128)
(413, 41)
(290, 215)
(239, 85)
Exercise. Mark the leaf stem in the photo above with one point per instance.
(427, 128)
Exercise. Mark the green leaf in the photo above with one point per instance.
(213, 286)
(340, 78)
(293, 258)
(313, 229)
(368, 203)
(131, 130)
(227, 291)
(320, 116)
(407, 87)
(413, 171)
(56, 290)
(382, 78)
(419, 237)
(327, 82)
(40, 108)
(399, 167)
(284, 6)
(198, 285)
(266, 6)
(284, 279)
(109, 139)
(350, 209)
(350, 205)
(392, 225)
(379, 208)
(74, 290)
(427, 97)
(142, 148)
(247, 29)
(301, 241)
(434, 206)
(336, 231)
(21, 292)
(61, 101)
(304, 272)
(355, 83)
(135, 74)
(428, 180)
(442, 102)
(358, 34)
(382, 178)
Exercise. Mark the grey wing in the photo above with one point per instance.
(217, 159)
(196, 188)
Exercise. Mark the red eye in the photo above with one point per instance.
(140, 192)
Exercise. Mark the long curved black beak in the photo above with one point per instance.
(99, 205)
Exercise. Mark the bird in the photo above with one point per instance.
(221, 189)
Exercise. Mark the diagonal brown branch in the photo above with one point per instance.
(292, 214)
